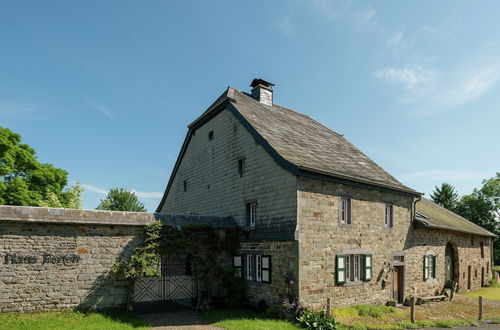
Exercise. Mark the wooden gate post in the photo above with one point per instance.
(480, 318)
(328, 307)
(412, 311)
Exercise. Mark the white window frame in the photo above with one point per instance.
(258, 268)
(389, 215)
(249, 267)
(252, 213)
(345, 211)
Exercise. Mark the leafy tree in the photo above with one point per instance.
(119, 199)
(483, 208)
(446, 196)
(26, 181)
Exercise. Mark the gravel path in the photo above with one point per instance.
(181, 320)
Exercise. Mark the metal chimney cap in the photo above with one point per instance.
(258, 81)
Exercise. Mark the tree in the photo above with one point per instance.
(26, 181)
(119, 199)
(446, 196)
(483, 208)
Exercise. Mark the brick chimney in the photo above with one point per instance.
(262, 91)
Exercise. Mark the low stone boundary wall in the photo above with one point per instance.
(52, 259)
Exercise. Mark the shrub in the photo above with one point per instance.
(262, 306)
(391, 302)
(233, 289)
(272, 312)
(316, 320)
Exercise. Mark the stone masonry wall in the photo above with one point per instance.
(215, 187)
(284, 259)
(467, 252)
(51, 260)
(321, 238)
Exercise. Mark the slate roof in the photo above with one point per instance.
(179, 220)
(431, 215)
(309, 145)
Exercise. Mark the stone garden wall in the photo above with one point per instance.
(52, 259)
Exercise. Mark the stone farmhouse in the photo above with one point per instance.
(308, 204)
(313, 206)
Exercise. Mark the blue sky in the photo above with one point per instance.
(105, 89)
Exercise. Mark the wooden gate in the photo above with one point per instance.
(174, 288)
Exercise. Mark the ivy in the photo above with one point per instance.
(203, 243)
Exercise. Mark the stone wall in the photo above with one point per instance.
(284, 259)
(321, 238)
(54, 259)
(467, 252)
(215, 187)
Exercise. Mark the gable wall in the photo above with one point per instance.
(215, 187)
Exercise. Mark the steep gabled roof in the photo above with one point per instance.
(431, 215)
(311, 146)
(297, 142)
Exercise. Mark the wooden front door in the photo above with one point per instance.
(398, 284)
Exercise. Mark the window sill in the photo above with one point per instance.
(354, 283)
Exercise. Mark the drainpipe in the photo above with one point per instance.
(414, 208)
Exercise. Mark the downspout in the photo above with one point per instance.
(414, 208)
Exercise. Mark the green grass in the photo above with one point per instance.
(497, 268)
(377, 312)
(71, 320)
(491, 293)
(242, 319)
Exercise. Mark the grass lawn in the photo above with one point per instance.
(491, 292)
(461, 311)
(71, 320)
(241, 319)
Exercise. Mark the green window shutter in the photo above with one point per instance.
(238, 265)
(266, 269)
(426, 267)
(340, 264)
(368, 267)
(434, 261)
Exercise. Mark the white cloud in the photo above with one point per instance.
(443, 175)
(408, 77)
(104, 110)
(431, 91)
(470, 87)
(148, 194)
(94, 189)
(140, 194)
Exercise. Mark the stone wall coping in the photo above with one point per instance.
(72, 216)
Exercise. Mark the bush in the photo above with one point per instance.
(272, 312)
(316, 320)
(233, 289)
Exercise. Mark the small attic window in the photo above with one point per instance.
(185, 185)
(210, 135)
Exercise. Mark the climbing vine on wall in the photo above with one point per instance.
(203, 243)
